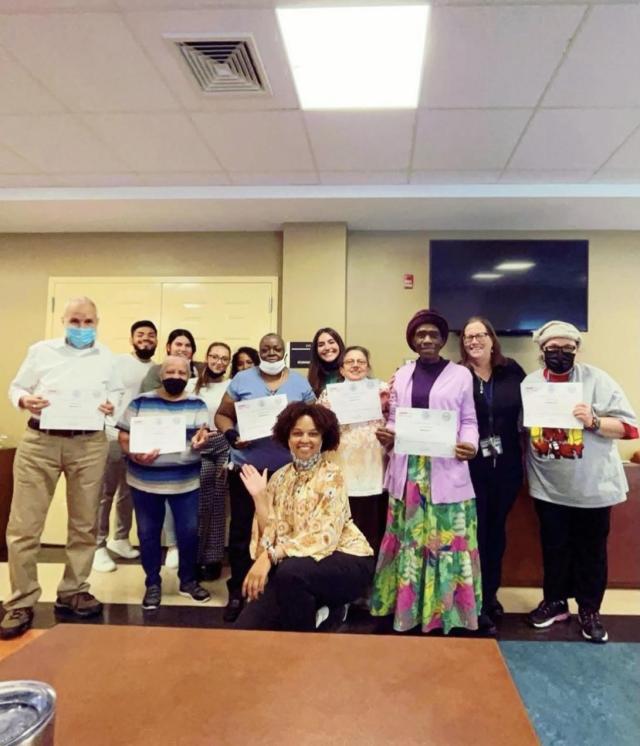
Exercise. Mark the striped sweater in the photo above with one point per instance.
(170, 473)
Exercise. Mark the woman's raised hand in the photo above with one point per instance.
(255, 483)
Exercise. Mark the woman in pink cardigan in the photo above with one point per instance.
(428, 570)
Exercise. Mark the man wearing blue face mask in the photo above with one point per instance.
(74, 365)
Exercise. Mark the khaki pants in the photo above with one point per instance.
(115, 489)
(39, 461)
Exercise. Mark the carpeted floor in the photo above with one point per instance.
(579, 695)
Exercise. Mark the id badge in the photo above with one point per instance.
(491, 447)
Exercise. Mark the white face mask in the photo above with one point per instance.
(272, 369)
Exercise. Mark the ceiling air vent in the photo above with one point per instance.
(223, 65)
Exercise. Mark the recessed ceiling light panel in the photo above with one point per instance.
(515, 266)
(486, 276)
(356, 58)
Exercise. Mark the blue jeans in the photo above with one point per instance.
(150, 509)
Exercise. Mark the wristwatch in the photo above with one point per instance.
(595, 423)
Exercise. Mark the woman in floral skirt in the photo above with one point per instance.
(428, 571)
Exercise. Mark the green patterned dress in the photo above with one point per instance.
(428, 570)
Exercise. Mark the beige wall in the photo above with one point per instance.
(27, 262)
(378, 307)
(314, 265)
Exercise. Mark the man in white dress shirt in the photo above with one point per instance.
(75, 362)
(133, 367)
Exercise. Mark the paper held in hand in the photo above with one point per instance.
(73, 409)
(166, 433)
(426, 432)
(355, 401)
(551, 404)
(256, 417)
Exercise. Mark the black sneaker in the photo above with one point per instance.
(152, 597)
(547, 613)
(486, 625)
(494, 609)
(195, 591)
(16, 622)
(233, 608)
(592, 627)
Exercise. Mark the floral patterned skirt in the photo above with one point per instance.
(428, 569)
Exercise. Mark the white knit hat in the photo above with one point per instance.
(553, 329)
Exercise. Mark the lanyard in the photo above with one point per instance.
(486, 390)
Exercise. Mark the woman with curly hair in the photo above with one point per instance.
(310, 553)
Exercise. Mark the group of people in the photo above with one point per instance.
(322, 514)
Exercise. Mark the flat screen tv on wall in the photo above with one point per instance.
(517, 285)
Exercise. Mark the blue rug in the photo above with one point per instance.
(579, 694)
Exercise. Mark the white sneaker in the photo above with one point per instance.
(322, 615)
(123, 548)
(102, 562)
(172, 559)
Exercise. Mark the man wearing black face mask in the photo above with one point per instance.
(133, 367)
(157, 478)
(575, 476)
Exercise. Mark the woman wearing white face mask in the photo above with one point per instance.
(271, 377)
(360, 454)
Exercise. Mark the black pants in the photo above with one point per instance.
(299, 586)
(370, 516)
(242, 510)
(495, 497)
(574, 553)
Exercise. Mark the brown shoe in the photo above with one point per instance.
(15, 623)
(81, 605)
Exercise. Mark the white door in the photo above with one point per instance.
(227, 309)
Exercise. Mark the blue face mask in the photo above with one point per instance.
(80, 337)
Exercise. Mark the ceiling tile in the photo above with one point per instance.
(467, 139)
(154, 142)
(454, 177)
(617, 176)
(361, 140)
(493, 56)
(185, 179)
(152, 28)
(376, 178)
(98, 180)
(57, 143)
(89, 61)
(16, 181)
(628, 156)
(20, 93)
(572, 139)
(11, 162)
(545, 177)
(603, 65)
(28, 6)
(257, 141)
(296, 178)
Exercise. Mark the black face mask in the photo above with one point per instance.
(211, 376)
(174, 386)
(559, 361)
(145, 354)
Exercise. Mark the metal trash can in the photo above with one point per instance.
(27, 713)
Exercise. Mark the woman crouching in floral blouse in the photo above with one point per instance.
(310, 553)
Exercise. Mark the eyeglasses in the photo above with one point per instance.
(472, 337)
(349, 363)
(218, 359)
(569, 349)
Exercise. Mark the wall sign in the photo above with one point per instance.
(407, 281)
(299, 354)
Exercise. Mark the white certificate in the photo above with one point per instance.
(166, 433)
(551, 404)
(256, 417)
(73, 409)
(355, 401)
(426, 432)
